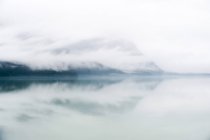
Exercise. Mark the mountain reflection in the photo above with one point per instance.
(38, 98)
(14, 84)
(117, 108)
(95, 108)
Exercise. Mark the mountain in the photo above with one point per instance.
(16, 69)
(117, 54)
(90, 57)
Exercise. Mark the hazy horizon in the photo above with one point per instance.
(172, 34)
(104, 69)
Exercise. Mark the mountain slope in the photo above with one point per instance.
(16, 69)
(94, 56)
(116, 54)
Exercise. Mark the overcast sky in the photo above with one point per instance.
(175, 34)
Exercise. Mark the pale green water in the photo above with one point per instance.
(105, 109)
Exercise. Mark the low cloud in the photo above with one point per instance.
(174, 34)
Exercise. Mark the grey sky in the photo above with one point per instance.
(173, 33)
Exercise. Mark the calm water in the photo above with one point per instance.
(105, 109)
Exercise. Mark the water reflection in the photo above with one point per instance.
(14, 84)
(1, 134)
(121, 108)
(95, 108)
(24, 118)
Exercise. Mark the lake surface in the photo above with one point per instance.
(117, 108)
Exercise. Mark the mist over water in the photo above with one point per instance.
(119, 108)
(104, 70)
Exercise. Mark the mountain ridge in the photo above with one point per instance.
(93, 56)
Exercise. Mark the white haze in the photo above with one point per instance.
(174, 34)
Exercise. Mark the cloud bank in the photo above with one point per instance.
(174, 34)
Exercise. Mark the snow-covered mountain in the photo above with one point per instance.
(92, 56)
(16, 69)
(117, 54)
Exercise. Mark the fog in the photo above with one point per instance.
(173, 34)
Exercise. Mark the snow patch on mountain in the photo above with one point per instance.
(89, 54)
(117, 54)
